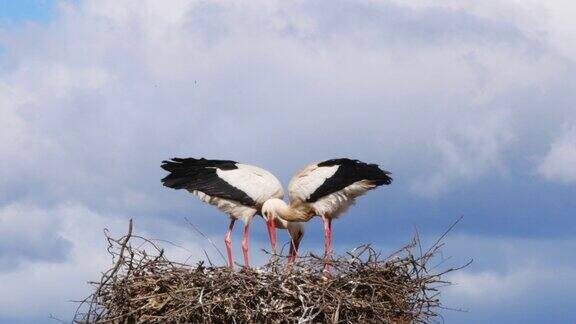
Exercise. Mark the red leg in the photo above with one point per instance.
(245, 243)
(327, 241)
(228, 242)
(272, 233)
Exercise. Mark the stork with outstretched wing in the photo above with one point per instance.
(326, 189)
(239, 190)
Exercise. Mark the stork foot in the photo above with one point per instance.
(326, 274)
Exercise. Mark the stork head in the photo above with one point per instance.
(270, 211)
(271, 207)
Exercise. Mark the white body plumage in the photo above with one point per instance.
(237, 189)
(257, 183)
(326, 189)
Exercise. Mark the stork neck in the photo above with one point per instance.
(291, 214)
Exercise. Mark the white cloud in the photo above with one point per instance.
(508, 277)
(29, 234)
(103, 93)
(48, 284)
(92, 102)
(494, 287)
(468, 149)
(549, 21)
(559, 164)
(538, 292)
(558, 27)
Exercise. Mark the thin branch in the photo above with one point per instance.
(144, 286)
(207, 238)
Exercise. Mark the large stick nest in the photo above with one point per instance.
(144, 286)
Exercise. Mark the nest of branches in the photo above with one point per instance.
(364, 287)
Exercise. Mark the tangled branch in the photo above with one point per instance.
(144, 286)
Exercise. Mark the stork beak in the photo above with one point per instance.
(272, 233)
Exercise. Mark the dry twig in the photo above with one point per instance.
(144, 286)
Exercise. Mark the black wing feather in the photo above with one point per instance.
(349, 171)
(200, 174)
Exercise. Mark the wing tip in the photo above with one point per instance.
(384, 180)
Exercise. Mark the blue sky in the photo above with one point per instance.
(26, 11)
(470, 105)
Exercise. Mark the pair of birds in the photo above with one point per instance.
(324, 189)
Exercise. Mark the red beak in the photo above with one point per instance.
(272, 233)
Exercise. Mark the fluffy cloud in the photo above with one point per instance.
(521, 293)
(60, 249)
(104, 92)
(29, 234)
(468, 150)
(46, 283)
(510, 276)
(560, 162)
(442, 93)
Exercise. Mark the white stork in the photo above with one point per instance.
(326, 189)
(238, 190)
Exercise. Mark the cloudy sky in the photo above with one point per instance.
(471, 105)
